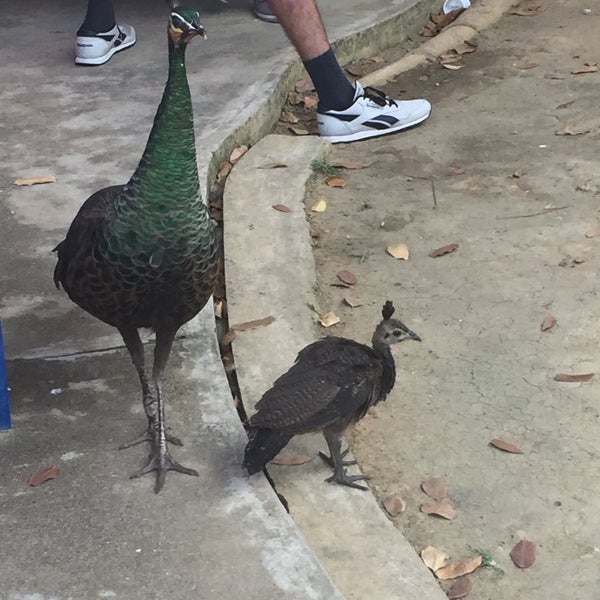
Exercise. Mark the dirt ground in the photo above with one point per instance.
(488, 172)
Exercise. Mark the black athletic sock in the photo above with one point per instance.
(332, 85)
(99, 18)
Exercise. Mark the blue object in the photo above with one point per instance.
(4, 406)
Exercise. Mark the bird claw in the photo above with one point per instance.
(148, 436)
(162, 462)
(329, 461)
(349, 480)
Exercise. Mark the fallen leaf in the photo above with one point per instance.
(288, 117)
(452, 66)
(273, 165)
(593, 231)
(525, 65)
(310, 102)
(450, 57)
(454, 171)
(573, 378)
(352, 301)
(399, 251)
(304, 85)
(460, 588)
(335, 181)
(574, 128)
(237, 153)
(43, 475)
(458, 568)
(465, 47)
(224, 171)
(291, 460)
(523, 554)
(548, 323)
(348, 277)
(587, 68)
(505, 446)
(375, 59)
(435, 558)
(447, 249)
(294, 98)
(228, 337)
(528, 8)
(329, 319)
(351, 165)
(441, 508)
(434, 487)
(394, 505)
(355, 70)
(564, 105)
(319, 206)
(253, 324)
(36, 180)
(554, 76)
(282, 208)
(298, 130)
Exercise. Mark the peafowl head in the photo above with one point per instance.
(391, 331)
(184, 24)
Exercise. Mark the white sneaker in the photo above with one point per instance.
(97, 49)
(371, 114)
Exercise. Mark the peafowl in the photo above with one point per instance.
(145, 254)
(332, 384)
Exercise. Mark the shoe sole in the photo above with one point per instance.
(371, 133)
(100, 60)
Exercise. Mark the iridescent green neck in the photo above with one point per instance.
(167, 172)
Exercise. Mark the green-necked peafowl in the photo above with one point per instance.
(332, 384)
(144, 254)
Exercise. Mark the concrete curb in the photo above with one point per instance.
(464, 29)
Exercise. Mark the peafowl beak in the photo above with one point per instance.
(413, 336)
(198, 28)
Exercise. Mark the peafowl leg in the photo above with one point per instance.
(160, 460)
(134, 344)
(334, 443)
(329, 461)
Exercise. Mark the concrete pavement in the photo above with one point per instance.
(93, 533)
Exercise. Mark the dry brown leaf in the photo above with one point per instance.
(399, 251)
(218, 304)
(564, 105)
(375, 59)
(43, 475)
(587, 68)
(452, 66)
(304, 85)
(523, 554)
(36, 180)
(335, 181)
(288, 117)
(505, 446)
(352, 301)
(447, 249)
(435, 488)
(237, 153)
(574, 129)
(525, 65)
(224, 171)
(348, 277)
(273, 165)
(548, 323)
(435, 558)
(298, 130)
(441, 508)
(454, 171)
(228, 337)
(450, 57)
(528, 8)
(253, 324)
(458, 568)
(356, 70)
(351, 165)
(394, 505)
(593, 231)
(291, 460)
(554, 76)
(282, 208)
(465, 47)
(460, 588)
(568, 378)
(310, 102)
(329, 319)
(294, 98)
(319, 206)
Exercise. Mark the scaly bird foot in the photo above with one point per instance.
(343, 478)
(161, 462)
(329, 461)
(148, 436)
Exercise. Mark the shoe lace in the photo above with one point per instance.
(378, 97)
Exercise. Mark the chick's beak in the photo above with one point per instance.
(413, 336)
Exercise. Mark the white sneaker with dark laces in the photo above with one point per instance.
(99, 48)
(371, 114)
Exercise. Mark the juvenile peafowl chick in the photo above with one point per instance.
(332, 384)
(144, 254)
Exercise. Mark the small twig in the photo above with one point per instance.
(433, 193)
(536, 214)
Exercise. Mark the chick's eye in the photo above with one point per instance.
(398, 332)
